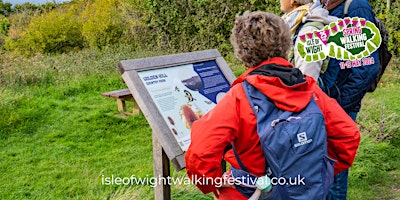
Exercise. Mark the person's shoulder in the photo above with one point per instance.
(361, 8)
(322, 99)
(359, 4)
(236, 91)
(360, 1)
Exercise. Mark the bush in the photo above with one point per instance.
(101, 23)
(4, 25)
(193, 25)
(179, 25)
(19, 22)
(390, 17)
(54, 32)
(51, 29)
(5, 8)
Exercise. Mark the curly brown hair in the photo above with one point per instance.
(258, 36)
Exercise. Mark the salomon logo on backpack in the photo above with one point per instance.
(294, 146)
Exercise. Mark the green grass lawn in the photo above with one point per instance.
(59, 138)
(376, 171)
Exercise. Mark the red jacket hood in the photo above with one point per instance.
(290, 98)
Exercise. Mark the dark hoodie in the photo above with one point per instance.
(286, 86)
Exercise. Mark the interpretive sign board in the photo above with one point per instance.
(175, 90)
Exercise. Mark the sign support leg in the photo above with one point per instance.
(161, 168)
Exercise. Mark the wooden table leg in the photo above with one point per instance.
(121, 105)
(161, 168)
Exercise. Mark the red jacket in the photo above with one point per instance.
(232, 120)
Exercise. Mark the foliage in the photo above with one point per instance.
(102, 23)
(19, 22)
(33, 8)
(54, 32)
(73, 26)
(380, 119)
(25, 6)
(5, 8)
(192, 25)
(177, 24)
(4, 25)
(59, 137)
(390, 18)
(181, 25)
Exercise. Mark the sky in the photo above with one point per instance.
(37, 2)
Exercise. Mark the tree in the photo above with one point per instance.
(5, 8)
(25, 7)
(4, 25)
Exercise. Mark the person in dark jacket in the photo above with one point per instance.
(261, 41)
(348, 86)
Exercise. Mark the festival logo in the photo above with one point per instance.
(351, 40)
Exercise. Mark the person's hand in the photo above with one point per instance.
(228, 180)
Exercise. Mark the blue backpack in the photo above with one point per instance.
(295, 150)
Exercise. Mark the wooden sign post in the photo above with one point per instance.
(173, 91)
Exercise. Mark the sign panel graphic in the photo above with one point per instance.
(184, 93)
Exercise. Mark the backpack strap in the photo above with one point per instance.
(238, 159)
(255, 110)
(242, 175)
(346, 7)
(264, 112)
(318, 25)
(255, 98)
(247, 87)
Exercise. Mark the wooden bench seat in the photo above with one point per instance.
(122, 96)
